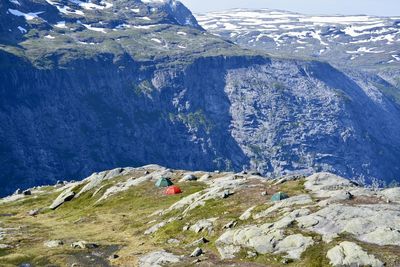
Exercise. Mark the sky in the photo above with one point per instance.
(328, 7)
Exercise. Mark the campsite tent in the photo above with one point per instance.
(279, 196)
(163, 182)
(173, 190)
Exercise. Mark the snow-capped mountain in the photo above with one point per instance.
(91, 85)
(361, 40)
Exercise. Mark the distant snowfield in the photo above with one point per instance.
(272, 29)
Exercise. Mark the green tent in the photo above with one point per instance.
(163, 182)
(279, 196)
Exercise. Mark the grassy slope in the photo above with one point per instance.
(119, 223)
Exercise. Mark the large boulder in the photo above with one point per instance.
(350, 254)
(65, 196)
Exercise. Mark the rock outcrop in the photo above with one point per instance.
(223, 219)
(350, 254)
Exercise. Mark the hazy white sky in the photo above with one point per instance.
(373, 7)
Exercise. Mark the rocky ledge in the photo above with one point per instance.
(219, 219)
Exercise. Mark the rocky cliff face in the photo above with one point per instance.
(277, 116)
(127, 83)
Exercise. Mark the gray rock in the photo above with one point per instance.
(158, 259)
(226, 194)
(295, 200)
(294, 245)
(287, 178)
(251, 254)
(33, 212)
(230, 224)
(5, 246)
(173, 241)
(18, 192)
(189, 177)
(350, 254)
(199, 242)
(197, 252)
(84, 245)
(391, 194)
(203, 225)
(113, 257)
(196, 261)
(216, 190)
(132, 182)
(205, 177)
(376, 224)
(325, 184)
(155, 228)
(59, 182)
(27, 192)
(53, 243)
(247, 214)
(65, 196)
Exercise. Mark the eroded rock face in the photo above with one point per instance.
(365, 222)
(350, 254)
(158, 259)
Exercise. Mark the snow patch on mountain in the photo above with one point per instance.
(27, 16)
(281, 32)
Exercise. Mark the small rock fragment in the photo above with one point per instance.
(173, 241)
(198, 242)
(33, 212)
(230, 225)
(226, 194)
(197, 252)
(251, 254)
(114, 256)
(18, 192)
(196, 261)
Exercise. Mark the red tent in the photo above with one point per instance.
(173, 190)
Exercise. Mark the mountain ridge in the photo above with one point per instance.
(359, 40)
(122, 87)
